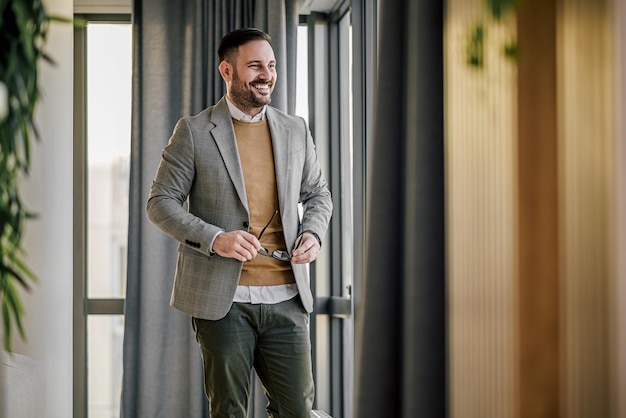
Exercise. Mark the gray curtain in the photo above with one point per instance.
(401, 325)
(175, 74)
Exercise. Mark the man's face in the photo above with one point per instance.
(251, 82)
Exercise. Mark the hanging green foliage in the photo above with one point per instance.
(23, 28)
(477, 38)
(499, 8)
(476, 46)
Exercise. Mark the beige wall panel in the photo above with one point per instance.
(587, 146)
(618, 291)
(480, 139)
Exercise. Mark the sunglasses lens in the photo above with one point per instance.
(281, 255)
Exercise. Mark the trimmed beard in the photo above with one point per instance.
(247, 97)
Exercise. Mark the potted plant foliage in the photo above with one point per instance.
(23, 28)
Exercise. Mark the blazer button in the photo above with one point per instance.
(246, 224)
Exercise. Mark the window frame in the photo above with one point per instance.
(335, 303)
(332, 326)
(83, 306)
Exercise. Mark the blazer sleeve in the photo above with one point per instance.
(315, 195)
(170, 189)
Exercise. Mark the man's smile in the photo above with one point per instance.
(263, 88)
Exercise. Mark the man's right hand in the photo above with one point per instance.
(240, 245)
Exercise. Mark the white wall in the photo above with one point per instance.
(48, 239)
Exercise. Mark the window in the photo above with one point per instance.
(342, 50)
(329, 47)
(102, 148)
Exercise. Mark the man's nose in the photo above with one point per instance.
(267, 72)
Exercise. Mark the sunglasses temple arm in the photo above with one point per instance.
(268, 224)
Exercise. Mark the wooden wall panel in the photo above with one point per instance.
(618, 290)
(538, 282)
(481, 217)
(587, 140)
(536, 212)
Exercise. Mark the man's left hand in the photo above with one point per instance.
(307, 249)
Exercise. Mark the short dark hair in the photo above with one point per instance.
(234, 39)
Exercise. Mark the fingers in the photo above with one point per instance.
(244, 246)
(306, 249)
(239, 245)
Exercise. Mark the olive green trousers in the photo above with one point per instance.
(274, 340)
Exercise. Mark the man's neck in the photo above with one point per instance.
(250, 111)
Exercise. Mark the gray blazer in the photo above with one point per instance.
(200, 166)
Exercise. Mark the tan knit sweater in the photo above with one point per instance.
(257, 162)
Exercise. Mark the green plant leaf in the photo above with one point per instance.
(499, 8)
(23, 31)
(475, 52)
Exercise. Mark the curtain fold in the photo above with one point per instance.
(280, 20)
(175, 74)
(400, 322)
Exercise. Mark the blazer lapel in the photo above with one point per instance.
(282, 162)
(224, 137)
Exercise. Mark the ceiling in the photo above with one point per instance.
(326, 6)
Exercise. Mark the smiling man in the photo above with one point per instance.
(250, 74)
(243, 167)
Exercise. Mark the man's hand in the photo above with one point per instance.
(307, 249)
(239, 245)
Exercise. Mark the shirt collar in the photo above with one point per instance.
(240, 116)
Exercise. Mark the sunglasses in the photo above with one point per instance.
(281, 255)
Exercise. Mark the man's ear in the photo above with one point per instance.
(226, 70)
